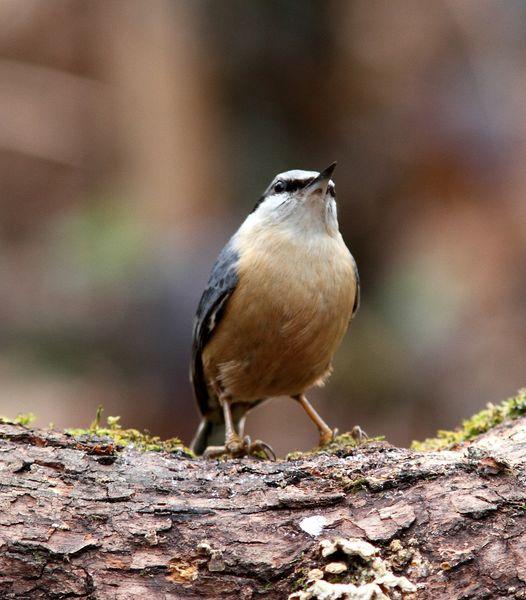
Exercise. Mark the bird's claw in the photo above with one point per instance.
(237, 447)
(214, 451)
(257, 446)
(326, 437)
(358, 434)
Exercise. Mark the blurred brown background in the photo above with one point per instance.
(135, 135)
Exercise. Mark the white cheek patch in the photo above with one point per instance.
(270, 210)
(273, 201)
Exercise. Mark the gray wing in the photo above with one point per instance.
(223, 281)
(357, 297)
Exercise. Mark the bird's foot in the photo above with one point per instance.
(327, 436)
(237, 447)
(358, 435)
(257, 447)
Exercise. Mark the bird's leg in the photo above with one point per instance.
(326, 433)
(256, 446)
(241, 426)
(236, 445)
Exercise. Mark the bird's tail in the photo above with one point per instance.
(209, 433)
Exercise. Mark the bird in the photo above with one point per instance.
(277, 305)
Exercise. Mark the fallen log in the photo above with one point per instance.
(82, 517)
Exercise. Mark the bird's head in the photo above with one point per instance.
(304, 200)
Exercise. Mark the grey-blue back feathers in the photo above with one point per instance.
(221, 284)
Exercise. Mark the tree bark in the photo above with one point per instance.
(85, 520)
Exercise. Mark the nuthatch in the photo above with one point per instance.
(277, 305)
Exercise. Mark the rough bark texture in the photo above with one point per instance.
(85, 521)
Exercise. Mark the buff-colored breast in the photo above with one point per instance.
(286, 318)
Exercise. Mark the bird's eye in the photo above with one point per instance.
(279, 186)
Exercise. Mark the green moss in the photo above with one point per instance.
(121, 438)
(346, 443)
(477, 424)
(24, 419)
(342, 445)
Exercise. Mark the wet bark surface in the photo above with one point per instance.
(83, 520)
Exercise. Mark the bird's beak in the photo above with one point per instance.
(321, 182)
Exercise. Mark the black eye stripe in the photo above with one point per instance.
(292, 185)
(297, 184)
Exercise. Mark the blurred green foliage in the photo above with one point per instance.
(24, 419)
